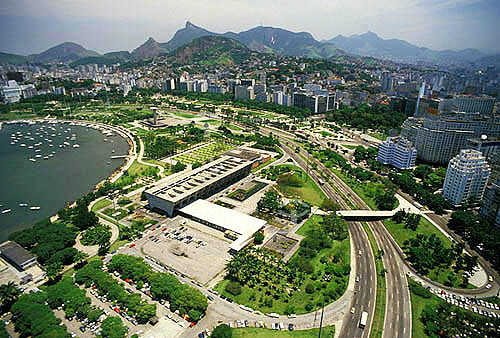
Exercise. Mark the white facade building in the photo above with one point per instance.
(398, 152)
(466, 177)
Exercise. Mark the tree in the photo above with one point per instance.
(112, 327)
(222, 331)
(9, 293)
(271, 201)
(53, 270)
(179, 166)
(258, 238)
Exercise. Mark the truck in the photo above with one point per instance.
(363, 320)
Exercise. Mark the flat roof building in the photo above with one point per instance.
(174, 193)
(17, 255)
(398, 152)
(235, 224)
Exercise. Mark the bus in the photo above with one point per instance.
(363, 320)
(320, 181)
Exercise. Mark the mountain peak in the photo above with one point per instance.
(369, 35)
(190, 25)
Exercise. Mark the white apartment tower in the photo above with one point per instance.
(466, 177)
(398, 152)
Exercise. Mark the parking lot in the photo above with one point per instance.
(186, 248)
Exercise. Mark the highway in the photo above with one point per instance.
(364, 265)
(397, 322)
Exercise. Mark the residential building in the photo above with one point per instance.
(439, 138)
(387, 82)
(466, 177)
(490, 209)
(398, 152)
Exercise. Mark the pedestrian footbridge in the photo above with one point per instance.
(365, 215)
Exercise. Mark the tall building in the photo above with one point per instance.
(439, 138)
(490, 209)
(11, 93)
(244, 93)
(387, 82)
(474, 104)
(398, 152)
(466, 177)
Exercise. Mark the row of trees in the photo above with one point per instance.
(164, 286)
(92, 274)
(407, 184)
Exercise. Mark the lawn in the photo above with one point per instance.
(235, 128)
(205, 153)
(308, 192)
(400, 234)
(211, 122)
(16, 116)
(250, 332)
(184, 115)
(349, 146)
(137, 168)
(122, 213)
(379, 312)
(101, 205)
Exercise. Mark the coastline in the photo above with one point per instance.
(122, 132)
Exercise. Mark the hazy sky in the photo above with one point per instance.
(31, 26)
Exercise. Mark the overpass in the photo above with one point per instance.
(365, 215)
(372, 215)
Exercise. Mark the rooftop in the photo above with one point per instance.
(177, 188)
(229, 219)
(15, 253)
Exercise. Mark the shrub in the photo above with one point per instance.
(233, 288)
(258, 238)
(310, 288)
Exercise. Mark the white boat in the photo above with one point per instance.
(6, 211)
(37, 150)
(23, 204)
(30, 147)
(32, 160)
(76, 146)
(38, 155)
(13, 143)
(45, 157)
(23, 145)
(34, 208)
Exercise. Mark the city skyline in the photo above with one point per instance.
(438, 25)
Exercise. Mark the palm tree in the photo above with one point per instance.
(9, 293)
(80, 257)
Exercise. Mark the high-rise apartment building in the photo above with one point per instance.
(466, 177)
(244, 93)
(398, 152)
(439, 138)
(490, 209)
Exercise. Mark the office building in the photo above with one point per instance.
(244, 93)
(398, 152)
(474, 104)
(490, 209)
(172, 194)
(11, 93)
(466, 177)
(439, 138)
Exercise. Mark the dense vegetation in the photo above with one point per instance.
(35, 319)
(479, 234)
(367, 117)
(316, 274)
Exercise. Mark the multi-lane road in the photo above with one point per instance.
(397, 321)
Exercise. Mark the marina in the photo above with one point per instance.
(66, 160)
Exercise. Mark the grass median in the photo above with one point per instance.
(250, 332)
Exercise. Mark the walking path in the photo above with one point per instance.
(141, 155)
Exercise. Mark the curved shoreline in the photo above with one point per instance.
(124, 133)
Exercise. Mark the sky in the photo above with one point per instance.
(32, 26)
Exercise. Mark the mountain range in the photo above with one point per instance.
(268, 40)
